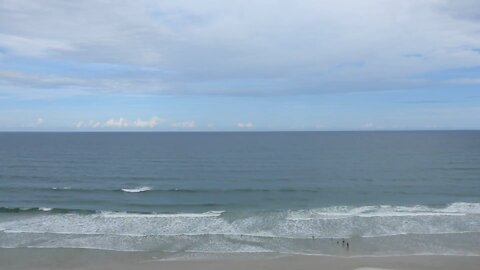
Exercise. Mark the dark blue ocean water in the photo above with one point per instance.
(207, 192)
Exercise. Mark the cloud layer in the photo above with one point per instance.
(236, 47)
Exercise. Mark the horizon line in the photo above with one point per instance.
(233, 131)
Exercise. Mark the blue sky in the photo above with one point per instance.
(239, 65)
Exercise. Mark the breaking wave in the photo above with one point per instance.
(136, 190)
(380, 229)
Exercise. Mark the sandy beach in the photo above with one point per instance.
(335, 263)
(78, 259)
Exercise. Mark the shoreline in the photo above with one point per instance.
(86, 259)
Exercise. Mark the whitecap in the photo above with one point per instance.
(136, 190)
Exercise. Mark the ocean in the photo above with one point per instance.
(179, 195)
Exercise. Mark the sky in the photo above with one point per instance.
(232, 65)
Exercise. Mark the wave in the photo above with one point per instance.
(336, 221)
(454, 209)
(467, 243)
(110, 214)
(332, 212)
(17, 209)
(45, 209)
(61, 188)
(181, 190)
(137, 189)
(155, 215)
(456, 224)
(174, 190)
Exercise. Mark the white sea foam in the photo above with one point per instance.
(369, 221)
(45, 209)
(217, 231)
(153, 215)
(471, 208)
(454, 209)
(137, 189)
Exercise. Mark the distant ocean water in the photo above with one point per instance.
(387, 193)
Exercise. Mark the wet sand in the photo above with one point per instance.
(69, 259)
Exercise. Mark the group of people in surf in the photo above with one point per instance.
(344, 243)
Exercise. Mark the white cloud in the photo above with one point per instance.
(95, 124)
(184, 124)
(35, 124)
(149, 123)
(80, 124)
(39, 121)
(368, 125)
(245, 125)
(121, 123)
(117, 123)
(89, 124)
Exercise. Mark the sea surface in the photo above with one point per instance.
(184, 194)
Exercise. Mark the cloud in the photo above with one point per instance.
(149, 123)
(368, 125)
(80, 124)
(245, 125)
(20, 79)
(236, 47)
(35, 47)
(465, 81)
(77, 85)
(118, 123)
(39, 121)
(464, 9)
(89, 124)
(185, 124)
(95, 124)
